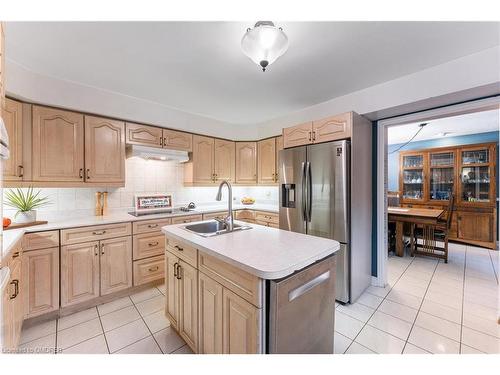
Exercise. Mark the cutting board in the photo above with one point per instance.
(24, 225)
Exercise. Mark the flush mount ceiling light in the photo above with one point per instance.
(264, 43)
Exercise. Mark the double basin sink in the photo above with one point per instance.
(213, 228)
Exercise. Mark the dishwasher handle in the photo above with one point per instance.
(304, 288)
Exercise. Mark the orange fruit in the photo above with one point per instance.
(6, 222)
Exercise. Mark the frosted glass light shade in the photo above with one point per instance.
(264, 43)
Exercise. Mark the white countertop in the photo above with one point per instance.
(265, 252)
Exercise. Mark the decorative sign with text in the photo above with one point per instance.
(153, 202)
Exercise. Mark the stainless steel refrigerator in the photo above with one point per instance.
(315, 198)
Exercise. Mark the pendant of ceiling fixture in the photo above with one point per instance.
(264, 43)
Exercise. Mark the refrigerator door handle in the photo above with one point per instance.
(303, 182)
(309, 191)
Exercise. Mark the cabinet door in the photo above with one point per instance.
(7, 322)
(17, 302)
(297, 135)
(476, 226)
(79, 273)
(240, 325)
(144, 135)
(332, 128)
(224, 163)
(172, 285)
(104, 150)
(188, 304)
(177, 140)
(246, 162)
(203, 159)
(41, 281)
(116, 264)
(279, 147)
(267, 161)
(210, 315)
(13, 118)
(57, 145)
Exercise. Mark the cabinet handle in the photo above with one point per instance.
(15, 282)
(20, 169)
(310, 136)
(96, 250)
(152, 225)
(88, 174)
(179, 269)
(99, 233)
(161, 141)
(314, 136)
(178, 247)
(81, 173)
(153, 269)
(164, 141)
(15, 255)
(102, 249)
(153, 243)
(175, 269)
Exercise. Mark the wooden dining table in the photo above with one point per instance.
(413, 216)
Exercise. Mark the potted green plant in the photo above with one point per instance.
(25, 203)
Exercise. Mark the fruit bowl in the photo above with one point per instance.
(247, 200)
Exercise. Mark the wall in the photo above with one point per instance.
(142, 176)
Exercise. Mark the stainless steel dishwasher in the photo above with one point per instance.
(301, 310)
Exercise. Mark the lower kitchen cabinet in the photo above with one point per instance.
(172, 289)
(148, 270)
(12, 304)
(187, 277)
(210, 315)
(116, 265)
(40, 270)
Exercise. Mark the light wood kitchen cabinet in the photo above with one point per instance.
(188, 303)
(104, 150)
(332, 128)
(215, 215)
(2, 65)
(149, 269)
(12, 306)
(240, 325)
(476, 226)
(147, 245)
(172, 289)
(116, 264)
(176, 140)
(95, 233)
(224, 160)
(41, 240)
(266, 158)
(203, 159)
(58, 145)
(246, 162)
(297, 135)
(12, 114)
(210, 315)
(144, 135)
(186, 219)
(79, 273)
(279, 147)
(41, 281)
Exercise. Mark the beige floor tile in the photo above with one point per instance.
(480, 341)
(184, 350)
(442, 311)
(151, 305)
(399, 311)
(79, 333)
(370, 300)
(356, 311)
(438, 325)
(145, 295)
(412, 349)
(162, 288)
(356, 348)
(346, 325)
(482, 311)
(147, 345)
(157, 321)
(378, 291)
(117, 304)
(125, 335)
(404, 299)
(455, 302)
(410, 288)
(119, 318)
(76, 318)
(340, 343)
(168, 340)
(379, 341)
(433, 342)
(37, 331)
(464, 349)
(96, 345)
(42, 345)
(387, 323)
(488, 326)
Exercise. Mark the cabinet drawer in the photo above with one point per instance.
(41, 240)
(240, 282)
(148, 245)
(268, 217)
(245, 215)
(186, 219)
(147, 270)
(213, 215)
(94, 233)
(149, 225)
(185, 252)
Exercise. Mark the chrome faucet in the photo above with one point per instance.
(229, 219)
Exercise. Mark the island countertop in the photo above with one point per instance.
(265, 252)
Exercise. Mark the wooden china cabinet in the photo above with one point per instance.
(427, 178)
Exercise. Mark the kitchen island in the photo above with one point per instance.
(260, 290)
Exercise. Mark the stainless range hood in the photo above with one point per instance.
(153, 153)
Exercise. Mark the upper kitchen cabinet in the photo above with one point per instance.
(175, 140)
(297, 135)
(279, 147)
(144, 135)
(13, 118)
(2, 65)
(246, 162)
(203, 160)
(104, 150)
(332, 128)
(58, 145)
(224, 160)
(266, 158)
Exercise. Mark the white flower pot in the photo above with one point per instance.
(23, 217)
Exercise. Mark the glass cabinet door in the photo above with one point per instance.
(441, 175)
(413, 177)
(475, 176)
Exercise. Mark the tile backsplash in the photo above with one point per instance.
(142, 176)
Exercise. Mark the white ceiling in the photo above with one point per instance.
(472, 123)
(198, 67)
